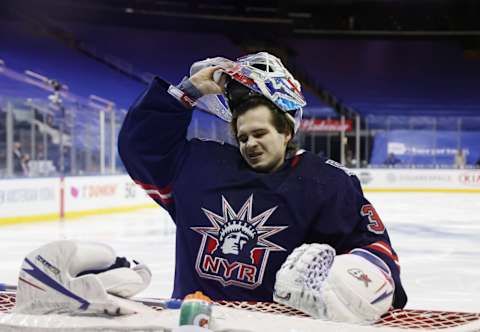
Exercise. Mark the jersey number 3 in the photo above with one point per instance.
(375, 224)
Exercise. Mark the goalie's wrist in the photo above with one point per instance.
(185, 92)
(181, 96)
(187, 86)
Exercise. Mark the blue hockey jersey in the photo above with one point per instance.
(234, 226)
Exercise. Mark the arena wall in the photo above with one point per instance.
(40, 199)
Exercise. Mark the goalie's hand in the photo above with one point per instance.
(349, 287)
(209, 80)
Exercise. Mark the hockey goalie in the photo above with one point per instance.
(259, 221)
(262, 220)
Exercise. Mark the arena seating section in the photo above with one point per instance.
(395, 77)
(403, 88)
(386, 82)
(23, 49)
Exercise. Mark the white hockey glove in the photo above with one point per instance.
(348, 288)
(79, 277)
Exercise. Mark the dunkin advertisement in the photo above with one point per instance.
(102, 192)
(43, 199)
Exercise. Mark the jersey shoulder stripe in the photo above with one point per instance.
(339, 166)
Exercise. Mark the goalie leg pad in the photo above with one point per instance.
(51, 281)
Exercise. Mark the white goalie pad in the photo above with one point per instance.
(50, 281)
(347, 288)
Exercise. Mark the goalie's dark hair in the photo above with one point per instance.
(279, 119)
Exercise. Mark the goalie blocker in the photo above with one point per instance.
(355, 287)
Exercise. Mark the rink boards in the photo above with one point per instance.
(43, 199)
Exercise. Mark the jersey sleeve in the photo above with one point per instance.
(352, 224)
(152, 142)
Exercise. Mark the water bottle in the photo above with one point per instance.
(196, 310)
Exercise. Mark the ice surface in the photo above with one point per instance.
(437, 238)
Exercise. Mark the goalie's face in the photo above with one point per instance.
(260, 143)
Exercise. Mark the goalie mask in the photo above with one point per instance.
(254, 74)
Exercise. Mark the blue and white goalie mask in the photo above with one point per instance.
(254, 74)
